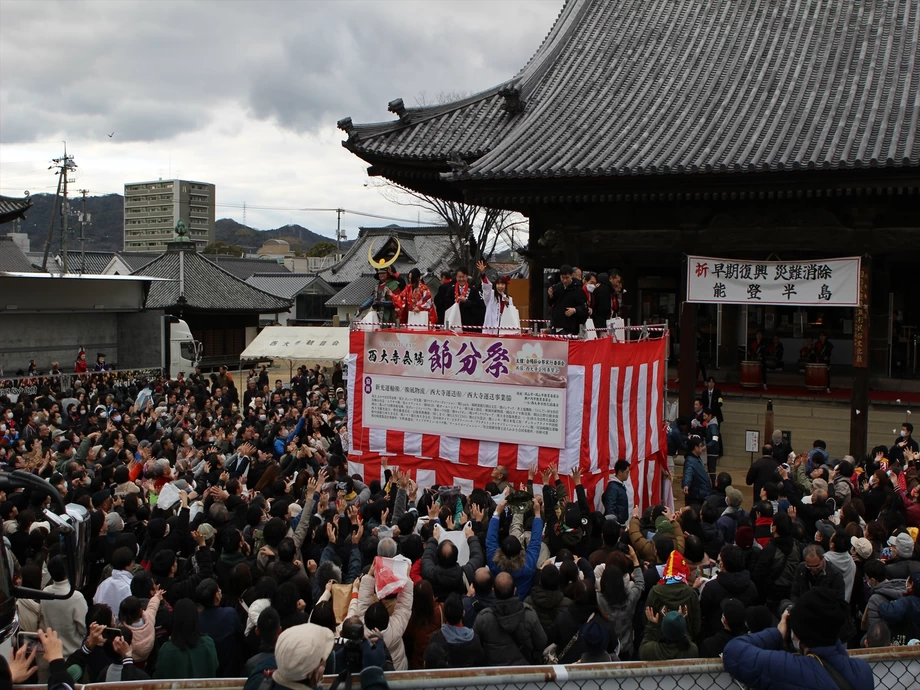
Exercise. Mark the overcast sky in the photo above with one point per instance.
(242, 94)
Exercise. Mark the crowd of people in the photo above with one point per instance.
(229, 538)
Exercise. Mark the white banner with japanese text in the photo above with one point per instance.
(508, 390)
(824, 282)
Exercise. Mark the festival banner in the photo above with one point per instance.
(823, 282)
(505, 390)
(614, 407)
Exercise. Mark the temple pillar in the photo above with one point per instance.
(859, 401)
(686, 369)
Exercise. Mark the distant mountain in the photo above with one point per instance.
(105, 230)
(300, 238)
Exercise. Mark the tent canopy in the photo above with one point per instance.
(299, 343)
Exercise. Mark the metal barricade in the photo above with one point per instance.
(894, 668)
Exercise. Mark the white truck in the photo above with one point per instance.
(181, 352)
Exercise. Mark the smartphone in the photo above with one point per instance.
(111, 633)
(886, 552)
(30, 641)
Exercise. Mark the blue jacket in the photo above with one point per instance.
(281, 444)
(616, 502)
(816, 457)
(759, 660)
(523, 577)
(906, 609)
(696, 478)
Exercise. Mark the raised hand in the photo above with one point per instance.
(532, 472)
(576, 476)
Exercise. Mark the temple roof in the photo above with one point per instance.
(195, 282)
(12, 208)
(12, 258)
(633, 88)
(428, 248)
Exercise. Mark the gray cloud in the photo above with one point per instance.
(152, 71)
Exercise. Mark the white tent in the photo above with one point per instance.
(299, 344)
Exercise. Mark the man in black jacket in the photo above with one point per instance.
(568, 304)
(441, 569)
(510, 631)
(763, 471)
(445, 295)
(602, 301)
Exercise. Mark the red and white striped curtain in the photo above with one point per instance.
(614, 411)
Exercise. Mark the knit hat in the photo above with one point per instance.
(734, 496)
(744, 537)
(817, 617)
(826, 528)
(862, 547)
(676, 570)
(663, 525)
(594, 636)
(372, 678)
(113, 522)
(101, 497)
(673, 626)
(734, 613)
(511, 546)
(904, 544)
(300, 650)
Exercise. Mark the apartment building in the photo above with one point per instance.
(152, 210)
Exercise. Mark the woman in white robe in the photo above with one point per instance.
(499, 305)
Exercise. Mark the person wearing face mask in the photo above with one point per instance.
(497, 301)
(812, 658)
(589, 285)
(903, 442)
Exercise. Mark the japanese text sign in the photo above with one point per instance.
(478, 359)
(822, 282)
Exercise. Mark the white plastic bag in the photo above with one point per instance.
(452, 318)
(617, 327)
(418, 320)
(459, 540)
(510, 321)
(589, 329)
(370, 321)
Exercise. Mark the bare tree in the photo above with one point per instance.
(475, 231)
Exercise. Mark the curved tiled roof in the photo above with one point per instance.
(195, 282)
(428, 248)
(12, 208)
(652, 87)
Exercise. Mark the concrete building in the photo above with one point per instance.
(152, 210)
(276, 248)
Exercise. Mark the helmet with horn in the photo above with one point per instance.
(383, 264)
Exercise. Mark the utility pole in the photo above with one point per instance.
(64, 165)
(54, 208)
(338, 230)
(83, 234)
